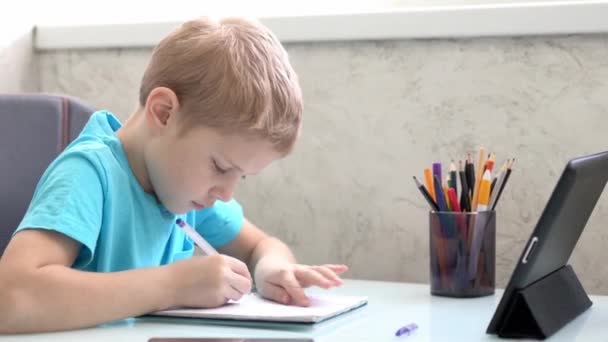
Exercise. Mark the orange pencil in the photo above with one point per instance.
(484, 191)
(428, 178)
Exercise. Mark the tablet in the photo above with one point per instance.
(559, 227)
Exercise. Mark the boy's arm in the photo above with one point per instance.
(273, 265)
(251, 241)
(40, 292)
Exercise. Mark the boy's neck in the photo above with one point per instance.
(132, 137)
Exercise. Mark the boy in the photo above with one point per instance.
(218, 101)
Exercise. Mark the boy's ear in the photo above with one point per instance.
(162, 104)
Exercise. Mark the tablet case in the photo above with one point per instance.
(545, 306)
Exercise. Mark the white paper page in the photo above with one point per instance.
(253, 307)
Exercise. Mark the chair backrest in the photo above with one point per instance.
(34, 129)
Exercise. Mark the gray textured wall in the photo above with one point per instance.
(18, 63)
(379, 112)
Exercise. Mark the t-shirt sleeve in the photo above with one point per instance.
(68, 199)
(221, 223)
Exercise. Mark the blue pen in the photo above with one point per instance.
(406, 330)
(441, 201)
(447, 225)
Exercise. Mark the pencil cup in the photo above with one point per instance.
(462, 253)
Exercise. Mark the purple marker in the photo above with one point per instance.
(198, 240)
(407, 330)
(437, 171)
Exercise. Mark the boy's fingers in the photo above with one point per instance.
(309, 277)
(338, 269)
(232, 293)
(239, 267)
(276, 293)
(240, 283)
(328, 274)
(294, 290)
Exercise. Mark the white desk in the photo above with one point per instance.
(391, 305)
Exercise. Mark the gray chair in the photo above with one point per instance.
(34, 129)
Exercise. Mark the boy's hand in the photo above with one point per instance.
(285, 282)
(209, 281)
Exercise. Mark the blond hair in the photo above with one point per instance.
(232, 74)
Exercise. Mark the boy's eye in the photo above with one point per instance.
(218, 168)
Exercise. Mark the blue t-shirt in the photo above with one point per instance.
(90, 194)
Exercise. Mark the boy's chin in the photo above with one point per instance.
(183, 208)
(178, 209)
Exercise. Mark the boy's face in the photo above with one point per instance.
(191, 171)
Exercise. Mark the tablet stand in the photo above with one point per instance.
(545, 306)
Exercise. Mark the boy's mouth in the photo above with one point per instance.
(198, 206)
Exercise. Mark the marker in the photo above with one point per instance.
(407, 330)
(198, 240)
(437, 172)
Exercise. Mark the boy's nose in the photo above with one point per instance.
(223, 196)
(223, 193)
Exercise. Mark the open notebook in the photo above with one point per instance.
(254, 308)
